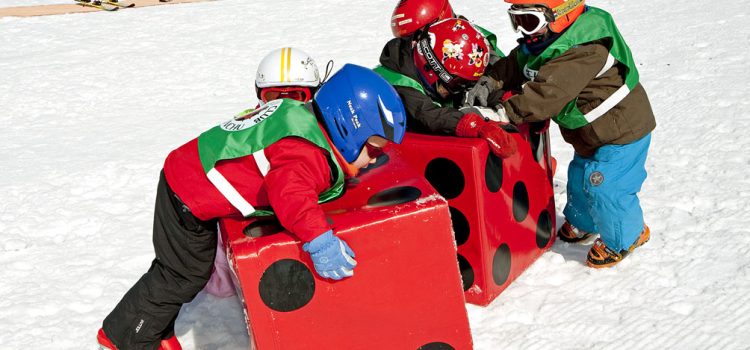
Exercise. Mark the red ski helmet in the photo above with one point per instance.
(411, 15)
(562, 12)
(453, 53)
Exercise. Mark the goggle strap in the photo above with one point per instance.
(432, 60)
(329, 69)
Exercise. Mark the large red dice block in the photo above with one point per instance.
(503, 210)
(406, 289)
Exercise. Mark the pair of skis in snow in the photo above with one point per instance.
(106, 5)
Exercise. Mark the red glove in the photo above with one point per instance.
(501, 143)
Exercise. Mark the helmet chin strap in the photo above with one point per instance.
(430, 88)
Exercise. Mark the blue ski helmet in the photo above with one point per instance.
(357, 103)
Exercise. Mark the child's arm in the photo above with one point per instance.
(428, 116)
(506, 73)
(299, 172)
(558, 82)
(450, 121)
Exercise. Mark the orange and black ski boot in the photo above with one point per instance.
(569, 233)
(601, 256)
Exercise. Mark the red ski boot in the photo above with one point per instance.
(170, 343)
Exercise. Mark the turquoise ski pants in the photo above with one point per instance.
(603, 192)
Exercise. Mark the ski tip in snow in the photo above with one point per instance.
(106, 5)
(97, 4)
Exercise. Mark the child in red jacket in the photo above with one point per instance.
(286, 156)
(283, 73)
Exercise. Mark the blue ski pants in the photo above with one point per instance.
(603, 192)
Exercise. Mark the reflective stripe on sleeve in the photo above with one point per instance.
(607, 65)
(229, 192)
(610, 102)
(263, 164)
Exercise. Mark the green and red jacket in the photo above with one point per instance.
(274, 158)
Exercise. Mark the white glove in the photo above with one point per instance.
(497, 115)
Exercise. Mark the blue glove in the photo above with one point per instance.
(331, 256)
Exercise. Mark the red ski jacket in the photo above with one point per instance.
(299, 172)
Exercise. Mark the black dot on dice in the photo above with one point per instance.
(543, 229)
(467, 272)
(286, 285)
(520, 201)
(446, 177)
(263, 227)
(493, 172)
(436, 346)
(393, 196)
(379, 161)
(501, 264)
(460, 226)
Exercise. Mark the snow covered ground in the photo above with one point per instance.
(90, 104)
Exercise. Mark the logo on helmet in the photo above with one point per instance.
(476, 57)
(566, 7)
(354, 118)
(451, 50)
(458, 25)
(424, 50)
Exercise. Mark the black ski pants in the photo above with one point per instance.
(185, 249)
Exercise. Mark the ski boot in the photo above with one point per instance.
(601, 256)
(170, 343)
(570, 234)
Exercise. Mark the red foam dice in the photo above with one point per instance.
(502, 210)
(406, 289)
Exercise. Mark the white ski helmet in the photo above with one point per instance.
(287, 67)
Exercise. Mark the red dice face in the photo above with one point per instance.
(502, 210)
(406, 289)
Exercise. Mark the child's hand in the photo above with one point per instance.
(478, 94)
(500, 141)
(498, 138)
(331, 256)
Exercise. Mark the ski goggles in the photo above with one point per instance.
(299, 93)
(373, 151)
(374, 146)
(528, 20)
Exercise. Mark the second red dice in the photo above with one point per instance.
(502, 210)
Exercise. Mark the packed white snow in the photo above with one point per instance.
(90, 104)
